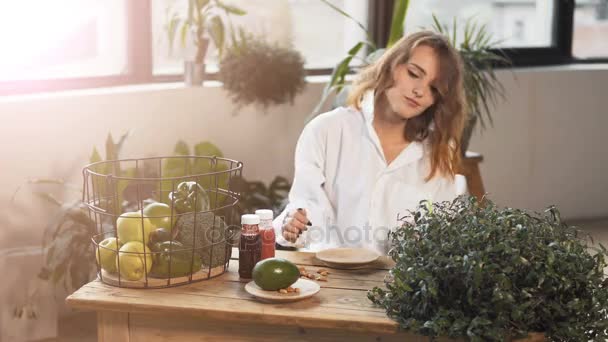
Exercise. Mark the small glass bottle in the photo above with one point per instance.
(250, 246)
(267, 233)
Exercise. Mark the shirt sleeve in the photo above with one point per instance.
(308, 190)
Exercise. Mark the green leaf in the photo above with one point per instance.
(398, 22)
(183, 34)
(231, 9)
(174, 167)
(95, 156)
(207, 148)
(111, 153)
(216, 30)
(437, 25)
(171, 29)
(355, 49)
(205, 166)
(181, 148)
(339, 10)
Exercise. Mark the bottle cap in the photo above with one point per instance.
(265, 214)
(250, 219)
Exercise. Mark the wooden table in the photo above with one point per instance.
(220, 309)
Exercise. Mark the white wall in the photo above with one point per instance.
(548, 142)
(546, 146)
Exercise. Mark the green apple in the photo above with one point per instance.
(131, 261)
(160, 215)
(106, 254)
(129, 227)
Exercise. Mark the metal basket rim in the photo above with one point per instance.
(148, 250)
(87, 168)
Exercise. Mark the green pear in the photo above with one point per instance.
(129, 227)
(161, 215)
(106, 254)
(134, 260)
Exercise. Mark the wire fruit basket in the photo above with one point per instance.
(162, 221)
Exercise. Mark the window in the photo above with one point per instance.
(62, 39)
(514, 23)
(590, 36)
(67, 44)
(322, 35)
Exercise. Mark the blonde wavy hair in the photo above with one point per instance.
(447, 114)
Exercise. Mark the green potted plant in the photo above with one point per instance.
(69, 259)
(482, 87)
(204, 20)
(484, 273)
(255, 71)
(256, 195)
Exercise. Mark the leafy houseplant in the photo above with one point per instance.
(256, 195)
(255, 71)
(477, 49)
(205, 19)
(487, 274)
(68, 256)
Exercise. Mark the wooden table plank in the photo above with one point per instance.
(147, 328)
(341, 304)
(308, 259)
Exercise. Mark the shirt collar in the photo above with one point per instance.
(413, 152)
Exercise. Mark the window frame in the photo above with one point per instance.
(140, 60)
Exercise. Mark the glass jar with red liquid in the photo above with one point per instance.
(250, 245)
(267, 233)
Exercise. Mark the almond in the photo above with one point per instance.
(282, 291)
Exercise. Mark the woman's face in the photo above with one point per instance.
(413, 90)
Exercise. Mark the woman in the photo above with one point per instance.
(358, 169)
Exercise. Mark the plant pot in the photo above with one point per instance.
(24, 316)
(194, 73)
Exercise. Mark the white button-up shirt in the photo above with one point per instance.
(352, 197)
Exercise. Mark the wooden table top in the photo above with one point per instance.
(342, 302)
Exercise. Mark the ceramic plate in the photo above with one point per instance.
(308, 288)
(347, 257)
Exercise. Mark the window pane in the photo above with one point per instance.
(322, 35)
(590, 37)
(62, 38)
(514, 23)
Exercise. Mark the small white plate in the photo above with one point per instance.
(308, 288)
(347, 257)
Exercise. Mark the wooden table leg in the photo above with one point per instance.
(112, 326)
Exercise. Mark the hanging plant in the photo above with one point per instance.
(257, 72)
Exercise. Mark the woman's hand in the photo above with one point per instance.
(295, 223)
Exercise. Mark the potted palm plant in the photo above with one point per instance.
(478, 51)
(204, 20)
